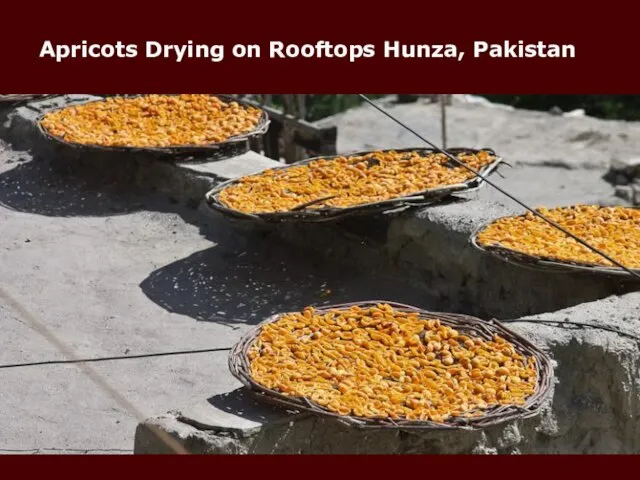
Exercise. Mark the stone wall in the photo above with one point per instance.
(625, 176)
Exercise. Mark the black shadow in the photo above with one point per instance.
(246, 280)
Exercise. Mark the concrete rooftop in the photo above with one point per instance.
(117, 269)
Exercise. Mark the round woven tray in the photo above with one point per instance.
(19, 98)
(240, 368)
(393, 205)
(547, 265)
(214, 151)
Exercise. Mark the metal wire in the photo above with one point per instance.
(443, 119)
(112, 359)
(68, 352)
(595, 326)
(163, 436)
(501, 190)
(226, 349)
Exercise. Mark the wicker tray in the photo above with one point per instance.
(19, 98)
(393, 205)
(240, 368)
(548, 265)
(211, 151)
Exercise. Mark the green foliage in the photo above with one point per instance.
(321, 106)
(623, 107)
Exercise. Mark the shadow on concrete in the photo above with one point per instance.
(235, 412)
(249, 275)
(62, 189)
(245, 279)
(242, 403)
(41, 188)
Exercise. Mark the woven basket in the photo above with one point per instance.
(547, 265)
(393, 205)
(240, 368)
(215, 151)
(19, 98)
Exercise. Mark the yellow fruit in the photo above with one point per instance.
(349, 181)
(152, 121)
(379, 378)
(613, 230)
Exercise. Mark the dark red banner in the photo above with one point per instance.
(480, 467)
(327, 47)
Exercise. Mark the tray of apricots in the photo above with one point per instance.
(167, 125)
(331, 188)
(528, 241)
(386, 365)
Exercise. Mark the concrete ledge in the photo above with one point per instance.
(307, 434)
(186, 181)
(594, 406)
(235, 167)
(435, 242)
(18, 125)
(431, 247)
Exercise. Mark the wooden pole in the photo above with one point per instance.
(443, 119)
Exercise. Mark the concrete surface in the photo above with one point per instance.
(625, 175)
(521, 136)
(114, 269)
(75, 257)
(431, 249)
(187, 179)
(120, 262)
(594, 407)
(238, 166)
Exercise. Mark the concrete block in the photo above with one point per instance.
(188, 181)
(239, 166)
(594, 406)
(235, 412)
(431, 248)
(303, 434)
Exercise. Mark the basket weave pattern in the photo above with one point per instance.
(239, 365)
(301, 214)
(212, 151)
(19, 97)
(545, 264)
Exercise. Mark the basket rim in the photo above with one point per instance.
(10, 98)
(547, 264)
(424, 198)
(260, 129)
(239, 367)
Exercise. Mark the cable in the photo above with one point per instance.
(578, 324)
(110, 359)
(501, 190)
(68, 352)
